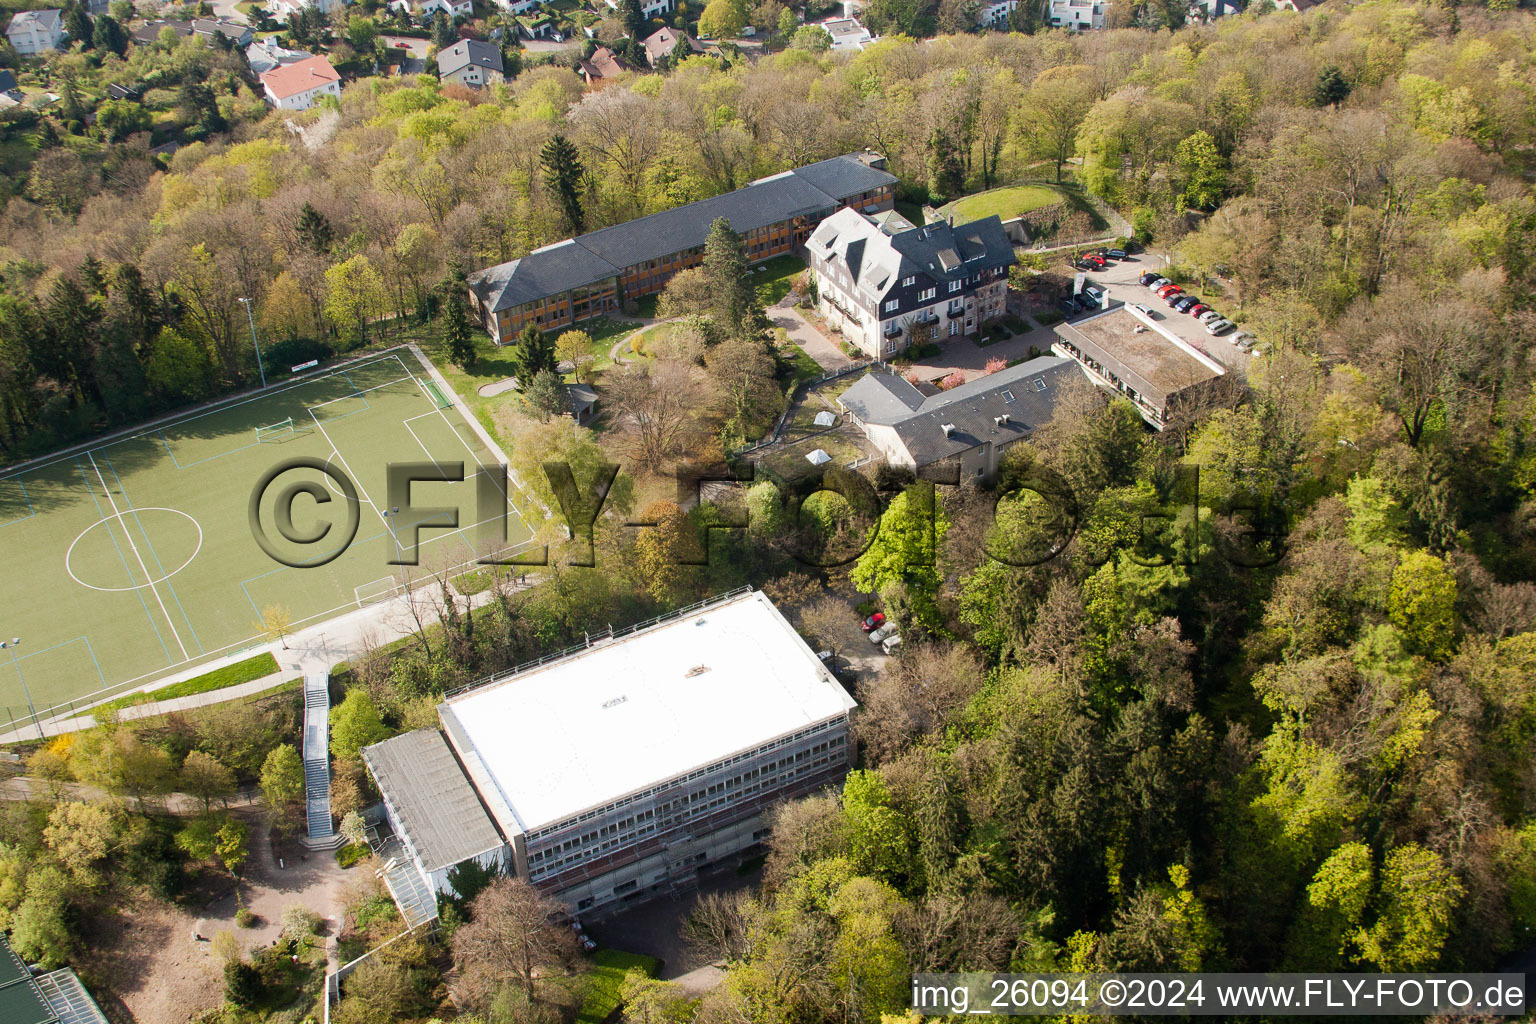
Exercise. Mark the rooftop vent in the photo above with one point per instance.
(1001, 421)
(616, 701)
(948, 428)
(697, 670)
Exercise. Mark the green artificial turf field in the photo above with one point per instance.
(132, 559)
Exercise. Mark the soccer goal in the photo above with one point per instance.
(431, 389)
(381, 589)
(275, 431)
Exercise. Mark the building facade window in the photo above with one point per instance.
(927, 294)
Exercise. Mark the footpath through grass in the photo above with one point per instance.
(230, 675)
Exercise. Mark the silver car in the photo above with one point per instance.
(1218, 326)
(889, 629)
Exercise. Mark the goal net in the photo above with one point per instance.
(275, 431)
(379, 590)
(433, 391)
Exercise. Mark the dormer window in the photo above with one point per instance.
(954, 286)
(908, 282)
(927, 294)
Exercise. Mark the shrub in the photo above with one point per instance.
(299, 922)
(351, 854)
(994, 364)
(242, 984)
(954, 380)
(245, 919)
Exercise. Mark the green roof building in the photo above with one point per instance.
(54, 998)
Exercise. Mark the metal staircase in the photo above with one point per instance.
(317, 762)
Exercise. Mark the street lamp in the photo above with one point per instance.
(11, 646)
(390, 518)
(252, 321)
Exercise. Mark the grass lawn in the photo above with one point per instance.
(602, 982)
(775, 277)
(832, 390)
(805, 368)
(230, 675)
(788, 461)
(1007, 203)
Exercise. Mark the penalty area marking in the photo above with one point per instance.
(119, 516)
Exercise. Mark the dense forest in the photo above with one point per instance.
(1163, 749)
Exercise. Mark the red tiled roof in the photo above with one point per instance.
(300, 76)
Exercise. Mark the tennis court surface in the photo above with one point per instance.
(135, 558)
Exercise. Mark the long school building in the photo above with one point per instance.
(591, 274)
(615, 774)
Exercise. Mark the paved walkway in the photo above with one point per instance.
(815, 344)
(315, 649)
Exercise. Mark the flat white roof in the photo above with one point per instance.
(585, 730)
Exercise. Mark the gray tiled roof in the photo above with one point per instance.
(881, 398)
(466, 52)
(437, 808)
(7, 81)
(47, 20)
(596, 255)
(1026, 394)
(876, 261)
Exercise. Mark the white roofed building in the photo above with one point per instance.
(34, 32)
(615, 772)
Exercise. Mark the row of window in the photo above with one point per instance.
(672, 813)
(747, 755)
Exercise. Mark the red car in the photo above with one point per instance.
(874, 622)
(1197, 309)
(1169, 290)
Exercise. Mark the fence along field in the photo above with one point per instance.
(135, 558)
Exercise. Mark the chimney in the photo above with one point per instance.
(1001, 421)
(948, 428)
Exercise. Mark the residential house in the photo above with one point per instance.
(1078, 15)
(238, 34)
(649, 8)
(1210, 10)
(123, 92)
(8, 83)
(589, 275)
(1124, 350)
(618, 772)
(424, 10)
(848, 36)
(603, 64)
(298, 86)
(470, 62)
(663, 41)
(584, 399)
(516, 7)
(34, 32)
(283, 10)
(889, 291)
(995, 14)
(537, 25)
(148, 34)
(264, 54)
(970, 426)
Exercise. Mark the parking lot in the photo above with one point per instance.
(1120, 279)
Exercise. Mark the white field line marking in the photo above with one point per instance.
(142, 568)
(343, 460)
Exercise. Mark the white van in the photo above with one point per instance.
(891, 644)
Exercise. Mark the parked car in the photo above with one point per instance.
(1116, 254)
(1067, 307)
(1156, 283)
(1218, 326)
(1184, 302)
(1147, 310)
(891, 644)
(1147, 278)
(874, 622)
(1208, 316)
(1169, 290)
(1094, 292)
(1243, 341)
(879, 635)
(1094, 260)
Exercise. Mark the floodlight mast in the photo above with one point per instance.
(252, 321)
